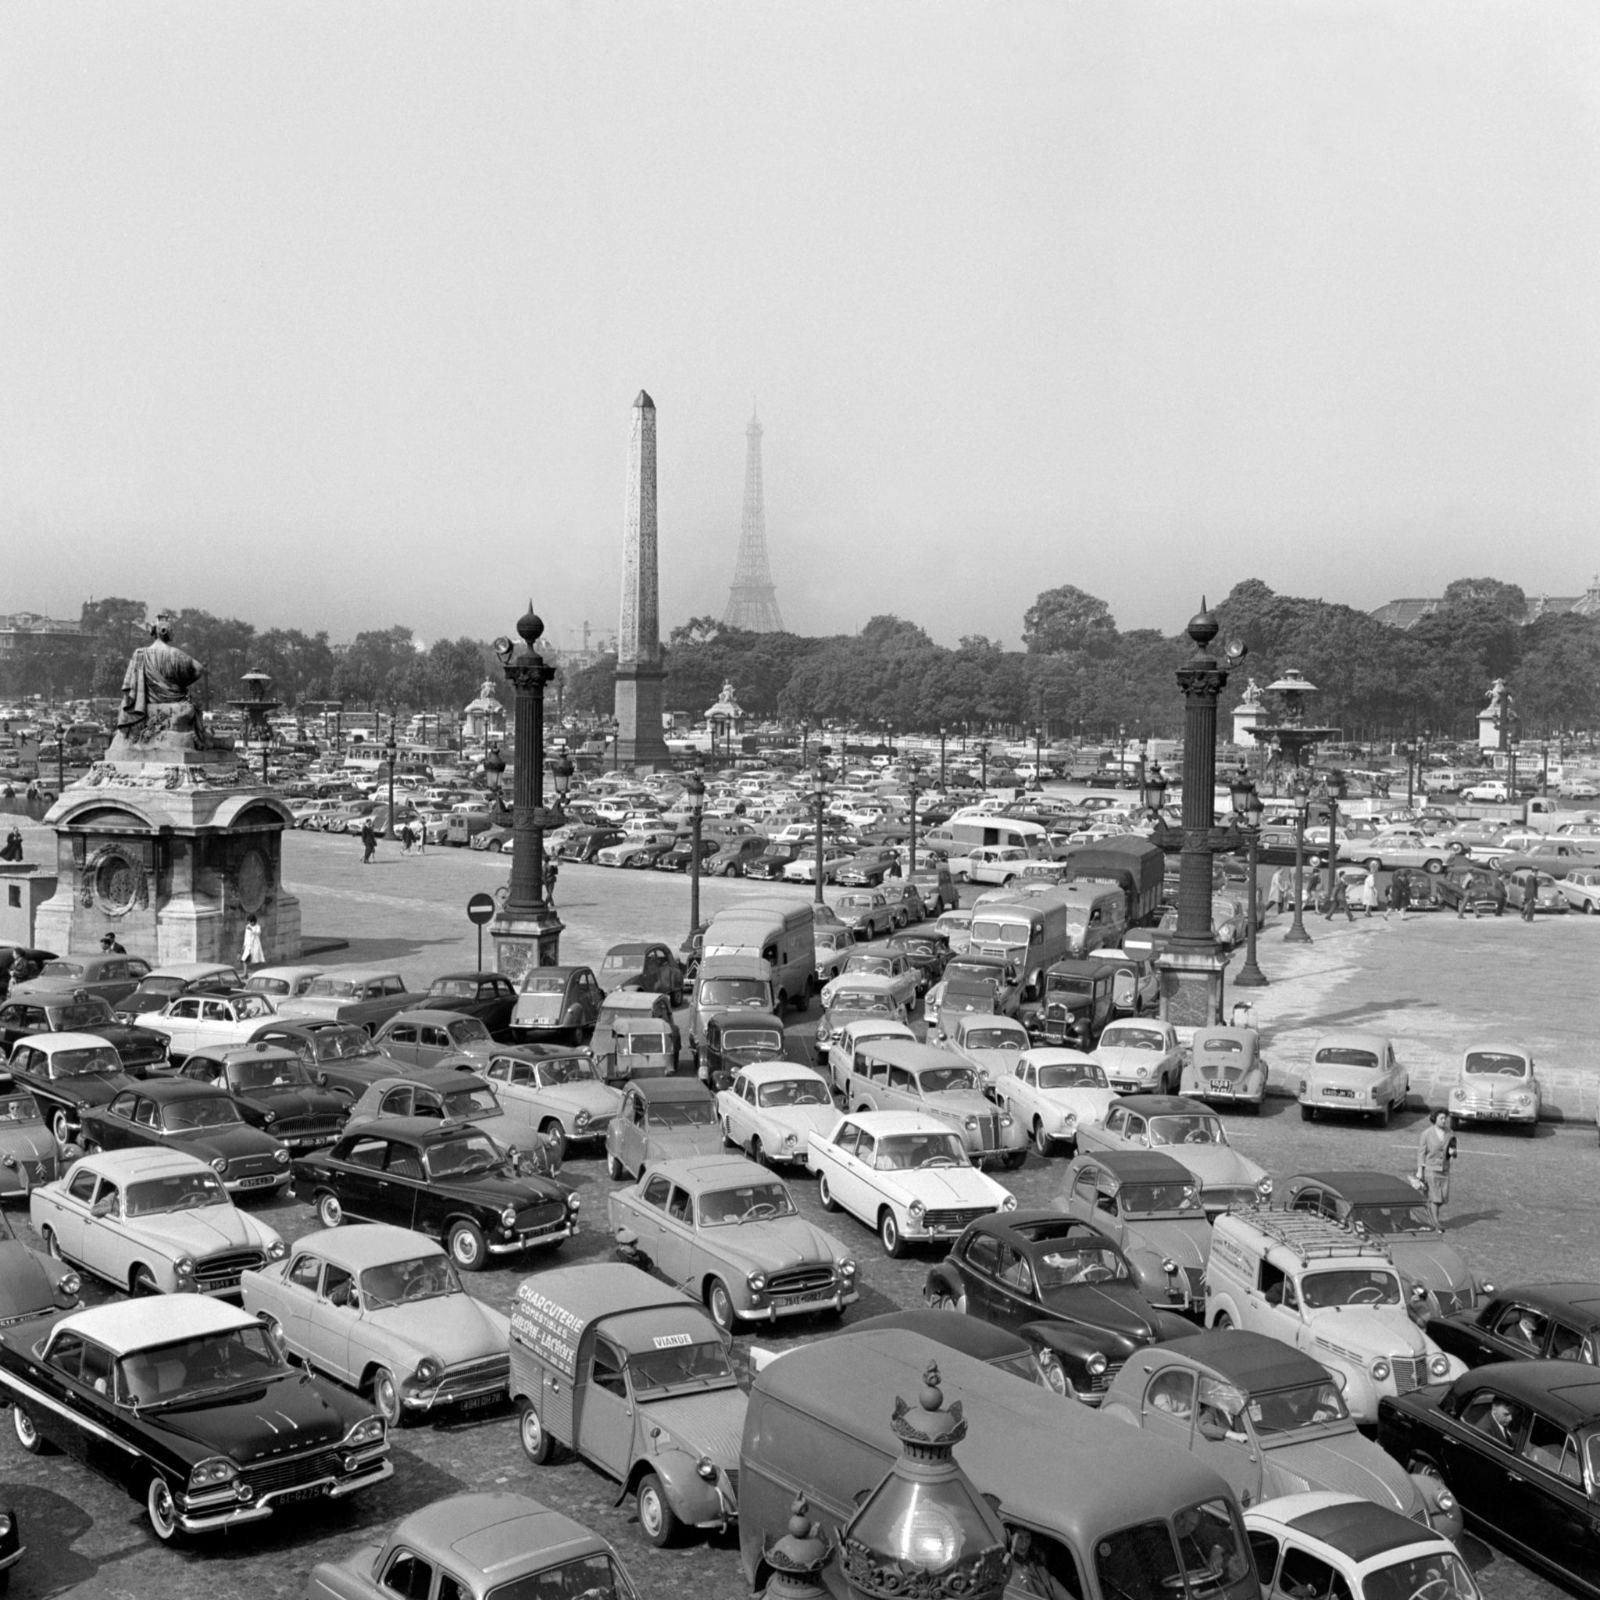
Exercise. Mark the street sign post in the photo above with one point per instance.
(480, 909)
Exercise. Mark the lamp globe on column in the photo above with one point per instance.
(925, 1530)
(494, 776)
(1155, 788)
(797, 1559)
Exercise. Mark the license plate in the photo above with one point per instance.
(802, 1299)
(256, 1183)
(477, 1402)
(1339, 1094)
(295, 1497)
(1221, 1086)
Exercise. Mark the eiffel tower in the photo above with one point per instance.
(752, 602)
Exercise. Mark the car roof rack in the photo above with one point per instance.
(1316, 1238)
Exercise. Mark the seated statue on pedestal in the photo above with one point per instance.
(156, 708)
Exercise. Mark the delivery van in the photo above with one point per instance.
(779, 932)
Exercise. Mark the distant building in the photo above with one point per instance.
(23, 632)
(1406, 614)
(40, 654)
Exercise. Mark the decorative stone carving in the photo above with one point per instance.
(113, 883)
(252, 881)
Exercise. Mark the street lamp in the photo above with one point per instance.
(389, 751)
(694, 786)
(796, 1560)
(1300, 794)
(494, 777)
(1247, 809)
(1153, 790)
(925, 1530)
(61, 756)
(819, 793)
(914, 772)
(942, 784)
(983, 756)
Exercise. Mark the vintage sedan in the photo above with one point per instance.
(1224, 1068)
(904, 980)
(489, 996)
(727, 1232)
(481, 1545)
(661, 1119)
(905, 1175)
(862, 999)
(448, 1180)
(771, 1109)
(179, 1114)
(341, 1056)
(1060, 1284)
(1149, 1206)
(1518, 1444)
(1406, 847)
(419, 1037)
(32, 1284)
(67, 1073)
(272, 1090)
(927, 952)
(140, 1050)
(1528, 1322)
(936, 888)
(381, 1310)
(365, 996)
(1480, 890)
(1189, 1131)
(803, 869)
(646, 965)
(1052, 1092)
(29, 1154)
(557, 1002)
(1497, 1084)
(193, 1021)
(189, 1406)
(455, 1093)
(991, 1045)
(865, 912)
(151, 1222)
(1527, 883)
(832, 947)
(1141, 1055)
(1354, 1074)
(1272, 1421)
(281, 983)
(560, 1093)
(1581, 890)
(103, 977)
(891, 1076)
(734, 1040)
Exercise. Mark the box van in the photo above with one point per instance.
(967, 830)
(1096, 915)
(725, 981)
(1094, 1510)
(777, 931)
(1029, 933)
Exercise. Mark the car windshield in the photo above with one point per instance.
(84, 1063)
(873, 966)
(645, 1044)
(189, 1368)
(1307, 1406)
(1496, 1064)
(464, 1157)
(203, 1111)
(1134, 1039)
(270, 1072)
(1349, 1286)
(178, 1191)
(906, 1152)
(1341, 1056)
(397, 1283)
(1438, 1575)
(942, 1080)
(749, 1202)
(1201, 1552)
(752, 1039)
(462, 1105)
(735, 992)
(996, 1038)
(84, 1015)
(17, 1108)
(333, 988)
(1062, 1265)
(683, 1114)
(596, 1576)
(1191, 1128)
(794, 1092)
(856, 1000)
(1058, 983)
(673, 1364)
(991, 930)
(61, 969)
(575, 1069)
(469, 1030)
(1159, 1199)
(1088, 1075)
(1393, 1217)
(345, 1043)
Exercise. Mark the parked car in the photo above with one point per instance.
(556, 1002)
(193, 1021)
(272, 1090)
(955, 928)
(562, 1094)
(1051, 1093)
(339, 1052)
(150, 1222)
(1516, 1443)
(832, 948)
(803, 869)
(727, 1232)
(1063, 1286)
(880, 962)
(281, 983)
(649, 966)
(1149, 1206)
(448, 1180)
(179, 1114)
(1525, 883)
(1354, 1073)
(1527, 1322)
(661, 1119)
(29, 1154)
(447, 1093)
(998, 864)
(1224, 1068)
(904, 1174)
(139, 1049)
(936, 887)
(422, 1037)
(1379, 1205)
(866, 869)
(67, 1073)
(489, 996)
(205, 1423)
(989, 1044)
(1396, 847)
(1272, 1421)
(927, 952)
(102, 977)
(866, 913)
(381, 1310)
(1190, 1132)
(862, 999)
(480, 1544)
(1141, 1054)
(771, 1108)
(1479, 890)
(365, 996)
(1581, 890)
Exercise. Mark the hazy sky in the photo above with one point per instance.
(331, 315)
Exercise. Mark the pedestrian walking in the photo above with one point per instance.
(1530, 893)
(422, 835)
(405, 838)
(1434, 1155)
(369, 841)
(550, 873)
(1280, 889)
(1365, 893)
(1399, 896)
(254, 953)
(1339, 900)
(112, 946)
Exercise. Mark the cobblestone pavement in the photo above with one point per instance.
(1522, 1211)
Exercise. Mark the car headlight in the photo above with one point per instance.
(574, 1200)
(1264, 1187)
(1170, 1267)
(1419, 1291)
(281, 1157)
(1439, 1365)
(918, 1210)
(581, 1120)
(508, 1217)
(1523, 1100)
(972, 1122)
(270, 1116)
(790, 1140)
(208, 1474)
(1005, 1121)
(847, 1268)
(427, 1370)
(5, 1525)
(70, 1283)
(184, 1266)
(1458, 1093)
(8, 1161)
(1009, 1203)
(1444, 1500)
(706, 1469)
(368, 1431)
(277, 1250)
(1380, 1369)
(755, 1282)
(220, 1164)
(1096, 1365)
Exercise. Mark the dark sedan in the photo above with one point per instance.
(178, 1114)
(928, 953)
(1529, 1322)
(155, 993)
(584, 844)
(341, 1053)
(1518, 1444)
(140, 1049)
(273, 1091)
(1063, 1286)
(1480, 890)
(487, 996)
(453, 1183)
(651, 967)
(772, 860)
(677, 858)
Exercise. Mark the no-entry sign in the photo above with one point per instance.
(480, 908)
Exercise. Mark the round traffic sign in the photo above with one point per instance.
(480, 908)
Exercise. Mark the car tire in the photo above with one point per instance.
(61, 1127)
(386, 1397)
(1042, 1142)
(941, 1299)
(329, 1212)
(1433, 866)
(29, 1436)
(468, 1248)
(719, 1302)
(162, 1510)
(657, 1520)
(889, 1232)
(535, 1440)
(615, 1169)
(1224, 1321)
(557, 1136)
(142, 1282)
(1456, 1123)
(1381, 1117)
(825, 1194)
(1013, 1159)
(756, 1153)
(52, 1245)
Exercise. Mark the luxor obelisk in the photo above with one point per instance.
(640, 742)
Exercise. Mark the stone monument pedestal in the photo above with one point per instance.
(641, 745)
(170, 854)
(1192, 984)
(524, 942)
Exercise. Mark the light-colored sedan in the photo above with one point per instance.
(1397, 848)
(833, 947)
(804, 869)
(1354, 1074)
(151, 1222)
(903, 1174)
(1141, 1055)
(866, 913)
(1225, 1067)
(563, 1095)
(899, 971)
(1051, 1093)
(278, 983)
(1497, 1084)
(771, 1109)
(381, 1309)
(195, 1021)
(1581, 890)
(991, 1044)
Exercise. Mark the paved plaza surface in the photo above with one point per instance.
(1523, 1210)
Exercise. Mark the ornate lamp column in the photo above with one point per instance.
(390, 751)
(694, 787)
(925, 1530)
(819, 793)
(1247, 809)
(526, 929)
(1301, 794)
(914, 789)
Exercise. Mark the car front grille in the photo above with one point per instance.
(474, 1377)
(953, 1221)
(800, 1280)
(218, 1274)
(543, 1218)
(300, 1131)
(1099, 1385)
(1410, 1372)
(272, 1477)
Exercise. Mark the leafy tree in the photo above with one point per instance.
(1068, 619)
(1557, 682)
(115, 629)
(591, 691)
(1506, 598)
